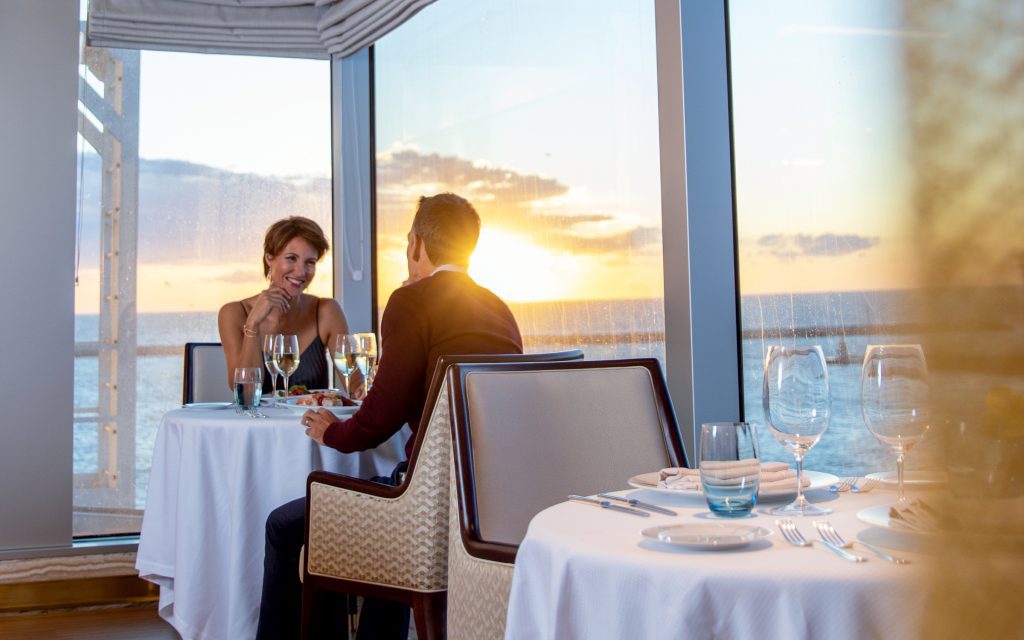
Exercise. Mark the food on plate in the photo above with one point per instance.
(298, 390)
(324, 399)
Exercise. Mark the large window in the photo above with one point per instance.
(860, 166)
(184, 162)
(544, 116)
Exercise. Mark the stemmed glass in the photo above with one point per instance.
(269, 348)
(286, 356)
(368, 363)
(894, 399)
(347, 355)
(797, 404)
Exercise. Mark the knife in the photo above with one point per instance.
(885, 555)
(604, 504)
(642, 505)
(842, 553)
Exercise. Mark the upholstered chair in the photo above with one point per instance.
(391, 542)
(525, 437)
(204, 378)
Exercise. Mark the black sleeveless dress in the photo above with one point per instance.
(312, 371)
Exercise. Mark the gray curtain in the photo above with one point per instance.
(288, 28)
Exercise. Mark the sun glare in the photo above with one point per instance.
(520, 271)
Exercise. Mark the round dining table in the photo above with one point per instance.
(216, 476)
(587, 572)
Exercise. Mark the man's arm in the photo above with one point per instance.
(398, 387)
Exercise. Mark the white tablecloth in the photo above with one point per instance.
(585, 572)
(215, 477)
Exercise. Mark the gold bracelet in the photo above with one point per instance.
(250, 333)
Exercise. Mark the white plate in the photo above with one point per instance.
(707, 535)
(649, 481)
(292, 405)
(916, 479)
(206, 405)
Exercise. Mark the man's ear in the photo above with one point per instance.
(417, 246)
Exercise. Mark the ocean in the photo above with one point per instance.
(843, 323)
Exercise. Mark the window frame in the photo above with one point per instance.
(698, 217)
(698, 212)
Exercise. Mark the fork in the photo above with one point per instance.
(797, 539)
(829, 533)
(843, 485)
(868, 485)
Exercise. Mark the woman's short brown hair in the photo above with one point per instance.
(283, 231)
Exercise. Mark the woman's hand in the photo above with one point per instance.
(268, 309)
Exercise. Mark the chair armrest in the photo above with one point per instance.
(355, 485)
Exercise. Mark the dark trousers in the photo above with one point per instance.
(281, 603)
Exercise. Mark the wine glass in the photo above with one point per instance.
(894, 399)
(347, 355)
(248, 389)
(797, 404)
(368, 346)
(286, 356)
(269, 347)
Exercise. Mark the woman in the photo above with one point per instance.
(291, 249)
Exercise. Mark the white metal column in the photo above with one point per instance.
(701, 321)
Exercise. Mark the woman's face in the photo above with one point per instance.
(293, 269)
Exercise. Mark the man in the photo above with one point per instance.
(439, 310)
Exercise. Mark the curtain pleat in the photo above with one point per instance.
(293, 28)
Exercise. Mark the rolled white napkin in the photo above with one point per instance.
(775, 476)
(916, 516)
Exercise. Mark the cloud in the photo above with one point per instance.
(475, 182)
(792, 246)
(195, 214)
(633, 240)
(525, 203)
(242, 277)
(564, 220)
(192, 213)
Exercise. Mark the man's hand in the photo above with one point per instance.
(316, 422)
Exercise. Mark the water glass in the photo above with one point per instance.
(730, 468)
(248, 388)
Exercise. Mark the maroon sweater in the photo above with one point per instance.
(446, 313)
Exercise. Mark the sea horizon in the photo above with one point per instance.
(843, 323)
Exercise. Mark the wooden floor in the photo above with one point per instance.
(140, 622)
(119, 623)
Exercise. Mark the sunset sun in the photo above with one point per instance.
(518, 270)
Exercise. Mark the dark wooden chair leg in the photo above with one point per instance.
(430, 612)
(308, 602)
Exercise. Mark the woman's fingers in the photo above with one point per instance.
(277, 297)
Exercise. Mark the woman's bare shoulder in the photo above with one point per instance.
(330, 316)
(328, 305)
(237, 308)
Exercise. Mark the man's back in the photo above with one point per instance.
(446, 313)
